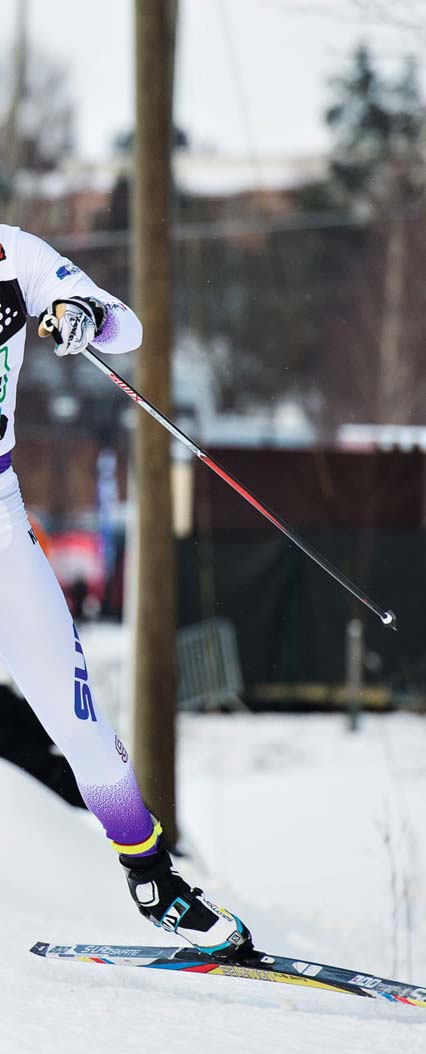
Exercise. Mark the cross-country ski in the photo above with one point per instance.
(257, 966)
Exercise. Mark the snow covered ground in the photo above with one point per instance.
(315, 835)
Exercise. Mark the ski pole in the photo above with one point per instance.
(387, 617)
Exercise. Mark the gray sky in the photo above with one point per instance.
(251, 74)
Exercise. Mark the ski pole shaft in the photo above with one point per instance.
(387, 617)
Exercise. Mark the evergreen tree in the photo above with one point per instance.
(379, 131)
(377, 172)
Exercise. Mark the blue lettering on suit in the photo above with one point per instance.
(83, 702)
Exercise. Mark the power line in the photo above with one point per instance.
(240, 91)
(237, 227)
(373, 13)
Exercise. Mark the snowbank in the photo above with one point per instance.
(313, 834)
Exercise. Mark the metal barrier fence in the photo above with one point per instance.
(208, 665)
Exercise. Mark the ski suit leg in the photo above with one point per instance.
(41, 649)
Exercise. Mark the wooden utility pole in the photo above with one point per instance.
(155, 690)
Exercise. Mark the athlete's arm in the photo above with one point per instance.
(48, 281)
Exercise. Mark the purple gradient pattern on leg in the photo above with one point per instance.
(110, 329)
(5, 461)
(121, 810)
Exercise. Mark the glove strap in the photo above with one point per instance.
(50, 324)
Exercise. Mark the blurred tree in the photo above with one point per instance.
(378, 173)
(36, 121)
(306, 294)
(117, 217)
(312, 299)
(379, 136)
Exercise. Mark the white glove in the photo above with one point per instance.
(72, 324)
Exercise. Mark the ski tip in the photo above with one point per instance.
(40, 948)
(389, 619)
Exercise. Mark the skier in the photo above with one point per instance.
(39, 644)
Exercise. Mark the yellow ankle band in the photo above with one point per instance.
(141, 847)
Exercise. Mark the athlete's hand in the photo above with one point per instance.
(72, 324)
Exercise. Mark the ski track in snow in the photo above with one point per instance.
(313, 834)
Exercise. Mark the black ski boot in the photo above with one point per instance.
(168, 901)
